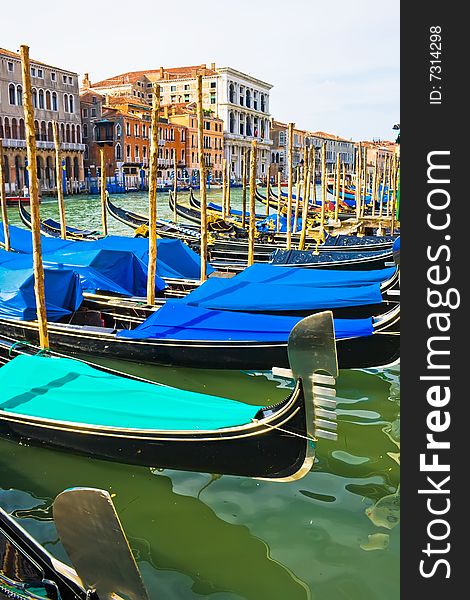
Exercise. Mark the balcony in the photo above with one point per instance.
(44, 145)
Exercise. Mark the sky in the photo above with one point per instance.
(334, 65)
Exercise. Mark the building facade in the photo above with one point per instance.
(55, 98)
(185, 115)
(122, 127)
(240, 100)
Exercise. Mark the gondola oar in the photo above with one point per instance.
(92, 535)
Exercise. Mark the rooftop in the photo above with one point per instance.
(16, 55)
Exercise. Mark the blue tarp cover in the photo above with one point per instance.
(17, 299)
(115, 271)
(269, 224)
(273, 274)
(396, 244)
(177, 321)
(223, 294)
(174, 258)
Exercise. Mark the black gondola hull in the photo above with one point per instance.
(377, 349)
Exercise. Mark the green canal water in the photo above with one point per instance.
(333, 535)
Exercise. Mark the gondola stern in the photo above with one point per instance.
(313, 359)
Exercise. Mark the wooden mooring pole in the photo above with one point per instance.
(39, 290)
(202, 179)
(175, 186)
(244, 169)
(3, 200)
(59, 182)
(251, 232)
(152, 264)
(278, 224)
(290, 141)
(337, 181)
(224, 189)
(104, 215)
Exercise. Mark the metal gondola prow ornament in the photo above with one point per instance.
(91, 533)
(313, 360)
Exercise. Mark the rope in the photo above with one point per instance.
(20, 343)
(304, 437)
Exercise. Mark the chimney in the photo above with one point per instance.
(162, 72)
(173, 110)
(165, 111)
(86, 81)
(213, 66)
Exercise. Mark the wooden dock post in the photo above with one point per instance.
(337, 181)
(202, 179)
(104, 215)
(343, 188)
(251, 232)
(305, 188)
(175, 186)
(374, 188)
(323, 189)
(39, 290)
(229, 208)
(358, 182)
(244, 169)
(290, 141)
(268, 191)
(366, 186)
(3, 200)
(308, 174)
(224, 189)
(297, 199)
(278, 223)
(153, 164)
(59, 182)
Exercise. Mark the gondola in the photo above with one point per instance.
(237, 214)
(364, 260)
(214, 224)
(51, 228)
(361, 343)
(91, 533)
(139, 223)
(105, 414)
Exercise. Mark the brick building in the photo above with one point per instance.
(55, 98)
(185, 115)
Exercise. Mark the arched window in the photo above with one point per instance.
(41, 98)
(62, 132)
(232, 123)
(79, 137)
(12, 93)
(71, 107)
(248, 126)
(263, 104)
(2, 134)
(36, 130)
(66, 102)
(273, 158)
(14, 129)
(19, 172)
(118, 152)
(50, 132)
(19, 95)
(7, 129)
(67, 133)
(35, 97)
(54, 101)
(85, 130)
(39, 164)
(73, 134)
(262, 128)
(76, 169)
(118, 130)
(248, 98)
(43, 130)
(48, 100)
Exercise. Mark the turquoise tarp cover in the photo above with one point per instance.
(174, 258)
(273, 274)
(17, 299)
(229, 294)
(68, 390)
(178, 321)
(116, 271)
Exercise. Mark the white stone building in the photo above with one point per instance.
(240, 100)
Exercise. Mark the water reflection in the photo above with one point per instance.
(332, 535)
